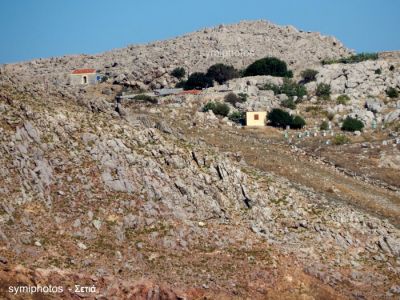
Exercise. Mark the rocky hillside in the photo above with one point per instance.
(165, 201)
(149, 65)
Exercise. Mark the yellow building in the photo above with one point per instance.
(256, 118)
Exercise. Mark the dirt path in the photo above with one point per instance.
(263, 152)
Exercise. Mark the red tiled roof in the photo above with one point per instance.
(190, 92)
(84, 71)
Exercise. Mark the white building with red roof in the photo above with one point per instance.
(84, 76)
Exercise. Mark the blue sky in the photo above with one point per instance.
(43, 28)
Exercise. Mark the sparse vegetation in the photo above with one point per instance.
(288, 103)
(146, 98)
(324, 125)
(268, 66)
(309, 75)
(391, 68)
(352, 124)
(351, 59)
(323, 91)
(392, 92)
(198, 81)
(341, 139)
(178, 72)
(280, 118)
(343, 99)
(289, 87)
(222, 73)
(378, 71)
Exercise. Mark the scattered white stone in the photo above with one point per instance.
(97, 224)
(82, 246)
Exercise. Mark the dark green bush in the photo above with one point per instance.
(232, 98)
(209, 106)
(298, 123)
(351, 59)
(237, 117)
(181, 84)
(324, 125)
(178, 72)
(222, 73)
(391, 68)
(392, 92)
(343, 99)
(268, 66)
(378, 71)
(198, 81)
(221, 109)
(323, 91)
(217, 108)
(309, 75)
(352, 124)
(280, 118)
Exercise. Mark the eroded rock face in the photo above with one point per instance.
(360, 79)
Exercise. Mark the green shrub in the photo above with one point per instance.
(288, 103)
(323, 91)
(198, 81)
(147, 98)
(178, 72)
(222, 73)
(343, 99)
(298, 123)
(268, 66)
(237, 117)
(272, 87)
(391, 68)
(243, 97)
(352, 59)
(392, 92)
(352, 124)
(217, 108)
(209, 106)
(221, 109)
(104, 78)
(324, 125)
(232, 98)
(309, 75)
(378, 71)
(280, 118)
(341, 139)
(289, 87)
